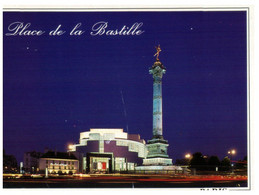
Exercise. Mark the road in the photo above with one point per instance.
(102, 181)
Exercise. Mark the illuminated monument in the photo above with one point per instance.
(157, 146)
(157, 157)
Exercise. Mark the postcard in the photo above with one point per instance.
(126, 98)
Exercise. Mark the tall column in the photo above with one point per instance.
(157, 146)
(157, 71)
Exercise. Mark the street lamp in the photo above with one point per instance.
(188, 156)
(231, 153)
(187, 162)
(70, 146)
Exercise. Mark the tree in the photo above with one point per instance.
(9, 163)
(241, 164)
(197, 161)
(183, 161)
(213, 162)
(225, 164)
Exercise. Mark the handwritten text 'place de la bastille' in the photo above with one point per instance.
(99, 28)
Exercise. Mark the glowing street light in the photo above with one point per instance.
(70, 146)
(232, 152)
(188, 156)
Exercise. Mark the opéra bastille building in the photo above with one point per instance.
(109, 151)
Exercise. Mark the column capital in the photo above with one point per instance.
(157, 73)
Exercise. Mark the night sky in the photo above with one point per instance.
(58, 86)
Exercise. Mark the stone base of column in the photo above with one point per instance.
(157, 161)
(171, 169)
(157, 152)
(157, 139)
(157, 148)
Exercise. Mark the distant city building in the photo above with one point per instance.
(109, 151)
(58, 163)
(31, 161)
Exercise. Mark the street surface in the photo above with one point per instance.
(128, 181)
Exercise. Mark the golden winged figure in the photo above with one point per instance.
(158, 50)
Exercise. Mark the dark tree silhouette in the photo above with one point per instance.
(183, 161)
(9, 163)
(225, 164)
(197, 161)
(241, 164)
(213, 162)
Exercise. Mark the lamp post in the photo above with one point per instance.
(231, 153)
(188, 158)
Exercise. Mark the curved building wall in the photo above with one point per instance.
(111, 149)
(123, 152)
(91, 146)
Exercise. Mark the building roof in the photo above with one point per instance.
(109, 134)
(58, 155)
(34, 154)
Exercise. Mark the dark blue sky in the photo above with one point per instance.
(57, 87)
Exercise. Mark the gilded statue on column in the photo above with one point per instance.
(158, 50)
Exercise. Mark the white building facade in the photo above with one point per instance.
(59, 163)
